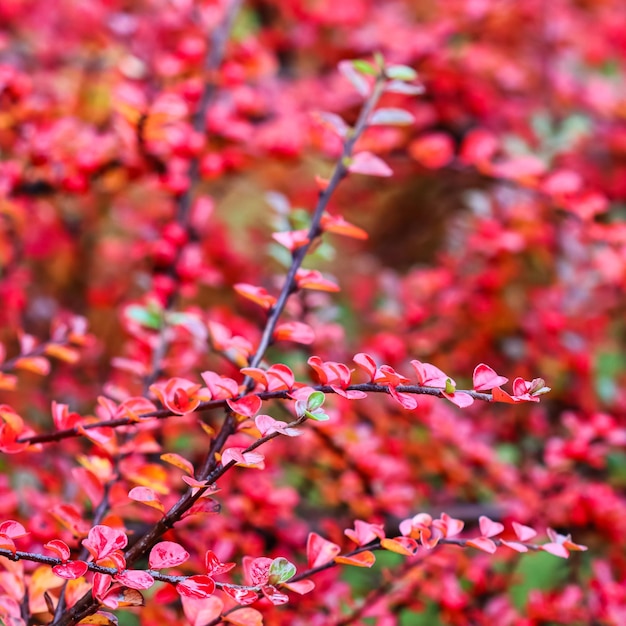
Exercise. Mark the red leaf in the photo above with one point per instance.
(274, 596)
(499, 395)
(245, 617)
(196, 587)
(320, 551)
(433, 150)
(214, 566)
(71, 570)
(241, 596)
(478, 147)
(60, 548)
(488, 527)
(167, 554)
(369, 164)
(485, 378)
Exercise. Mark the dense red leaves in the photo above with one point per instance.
(499, 238)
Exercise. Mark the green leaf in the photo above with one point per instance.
(147, 316)
(281, 570)
(317, 415)
(401, 72)
(537, 571)
(391, 117)
(364, 67)
(450, 388)
(315, 401)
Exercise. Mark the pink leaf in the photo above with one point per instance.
(12, 529)
(482, 543)
(366, 363)
(146, 496)
(248, 406)
(364, 532)
(459, 398)
(514, 545)
(369, 164)
(279, 377)
(430, 376)
(200, 611)
(300, 586)
(406, 400)
(488, 527)
(167, 554)
(135, 579)
(557, 549)
(320, 551)
(102, 540)
(485, 378)
(524, 533)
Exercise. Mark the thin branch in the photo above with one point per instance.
(263, 395)
(340, 171)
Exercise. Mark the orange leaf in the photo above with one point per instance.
(258, 295)
(400, 545)
(337, 225)
(363, 559)
(36, 364)
(178, 461)
(63, 353)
